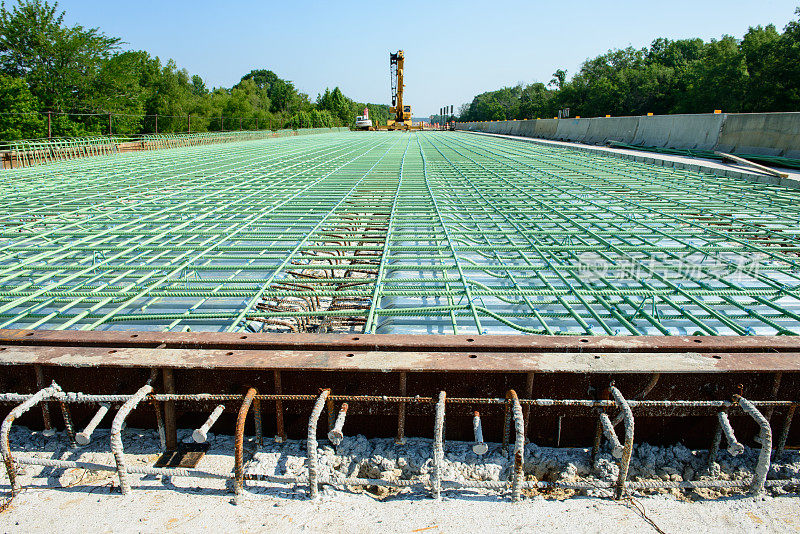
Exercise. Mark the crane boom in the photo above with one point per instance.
(402, 113)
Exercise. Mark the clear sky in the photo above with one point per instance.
(454, 49)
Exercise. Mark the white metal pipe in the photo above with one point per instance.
(479, 447)
(85, 437)
(201, 434)
(335, 435)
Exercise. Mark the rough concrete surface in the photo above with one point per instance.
(188, 510)
(772, 134)
(75, 500)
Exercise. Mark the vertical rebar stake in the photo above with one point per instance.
(627, 451)
(68, 427)
(162, 435)
(238, 451)
(280, 433)
(438, 447)
(519, 446)
(48, 427)
(784, 435)
(762, 467)
(116, 436)
(170, 425)
(401, 412)
(506, 427)
(311, 444)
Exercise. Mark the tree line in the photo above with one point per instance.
(758, 73)
(80, 75)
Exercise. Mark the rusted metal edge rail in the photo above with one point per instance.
(365, 360)
(400, 343)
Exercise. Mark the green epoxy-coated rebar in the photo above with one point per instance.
(395, 232)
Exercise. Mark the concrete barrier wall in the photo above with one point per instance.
(771, 134)
(546, 128)
(572, 129)
(602, 129)
(699, 132)
(766, 134)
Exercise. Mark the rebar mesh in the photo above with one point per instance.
(395, 232)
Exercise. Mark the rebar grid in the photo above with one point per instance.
(395, 233)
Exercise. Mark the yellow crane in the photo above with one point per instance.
(402, 113)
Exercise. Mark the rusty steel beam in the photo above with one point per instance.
(431, 353)
(393, 361)
(401, 343)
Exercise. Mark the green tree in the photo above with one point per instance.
(341, 107)
(59, 63)
(559, 78)
(123, 86)
(20, 118)
(771, 59)
(718, 80)
(760, 72)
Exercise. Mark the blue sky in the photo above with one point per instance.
(454, 49)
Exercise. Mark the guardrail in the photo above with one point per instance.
(27, 153)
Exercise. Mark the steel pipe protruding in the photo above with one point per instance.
(85, 437)
(200, 435)
(116, 435)
(479, 447)
(335, 435)
(627, 451)
(734, 447)
(311, 443)
(762, 467)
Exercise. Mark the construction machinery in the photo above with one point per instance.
(402, 113)
(363, 122)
